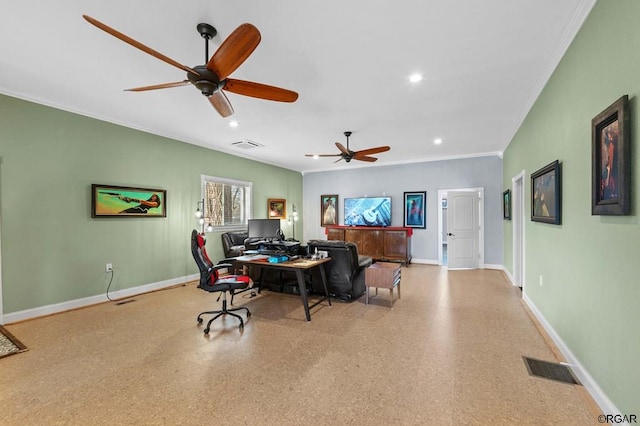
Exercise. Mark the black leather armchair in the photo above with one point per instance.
(345, 271)
(233, 243)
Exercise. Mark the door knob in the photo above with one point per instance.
(450, 234)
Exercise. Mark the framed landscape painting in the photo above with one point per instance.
(611, 162)
(415, 209)
(124, 201)
(546, 194)
(328, 210)
(277, 208)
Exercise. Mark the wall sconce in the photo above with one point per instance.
(293, 218)
(200, 216)
(200, 210)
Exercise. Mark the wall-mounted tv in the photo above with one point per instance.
(367, 211)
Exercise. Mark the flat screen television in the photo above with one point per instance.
(367, 211)
(263, 228)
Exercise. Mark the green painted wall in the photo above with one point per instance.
(53, 251)
(589, 264)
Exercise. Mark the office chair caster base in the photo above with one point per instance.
(221, 313)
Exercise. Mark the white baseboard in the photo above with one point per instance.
(435, 262)
(93, 300)
(425, 261)
(581, 373)
(492, 266)
(509, 276)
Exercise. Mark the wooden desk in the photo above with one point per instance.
(298, 266)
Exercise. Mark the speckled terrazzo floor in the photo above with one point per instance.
(448, 353)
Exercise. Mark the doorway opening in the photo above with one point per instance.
(443, 232)
(518, 219)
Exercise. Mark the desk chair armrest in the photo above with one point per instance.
(220, 266)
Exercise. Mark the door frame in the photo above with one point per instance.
(1, 302)
(518, 184)
(442, 193)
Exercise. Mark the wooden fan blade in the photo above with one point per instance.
(259, 90)
(372, 150)
(234, 50)
(365, 158)
(322, 155)
(158, 86)
(342, 148)
(220, 102)
(137, 44)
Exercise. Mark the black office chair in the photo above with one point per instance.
(212, 282)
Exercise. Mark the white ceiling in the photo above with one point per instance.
(484, 63)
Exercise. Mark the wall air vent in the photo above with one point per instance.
(247, 144)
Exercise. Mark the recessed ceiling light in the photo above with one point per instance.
(315, 157)
(233, 123)
(437, 141)
(414, 78)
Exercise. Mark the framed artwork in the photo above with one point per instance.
(328, 210)
(546, 200)
(506, 205)
(124, 201)
(415, 209)
(277, 208)
(611, 162)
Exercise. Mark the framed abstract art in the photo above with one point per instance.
(415, 204)
(611, 160)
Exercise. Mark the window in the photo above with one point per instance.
(227, 203)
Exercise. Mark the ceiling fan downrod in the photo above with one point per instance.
(207, 32)
(347, 134)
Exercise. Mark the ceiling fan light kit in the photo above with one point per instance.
(347, 154)
(212, 79)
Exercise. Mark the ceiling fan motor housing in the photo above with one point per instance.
(206, 81)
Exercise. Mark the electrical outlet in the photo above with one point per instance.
(540, 280)
(108, 267)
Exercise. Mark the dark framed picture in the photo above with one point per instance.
(546, 199)
(611, 162)
(124, 201)
(415, 206)
(329, 210)
(277, 208)
(506, 205)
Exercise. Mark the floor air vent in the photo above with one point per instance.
(550, 370)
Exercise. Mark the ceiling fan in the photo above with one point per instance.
(212, 79)
(347, 155)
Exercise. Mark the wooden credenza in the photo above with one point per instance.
(389, 243)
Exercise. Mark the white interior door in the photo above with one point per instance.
(463, 236)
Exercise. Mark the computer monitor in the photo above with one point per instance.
(263, 228)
